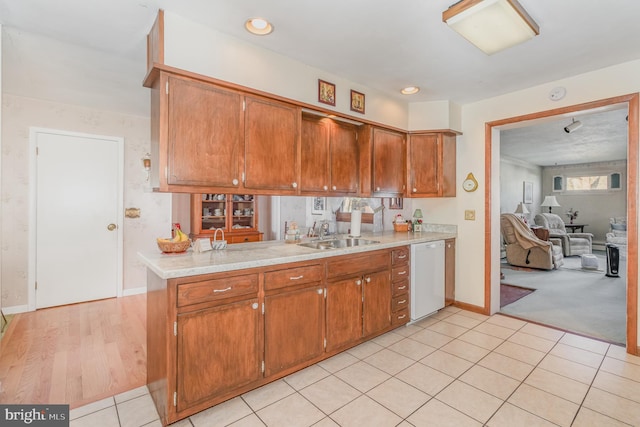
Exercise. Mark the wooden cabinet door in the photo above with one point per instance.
(293, 328)
(344, 312)
(218, 350)
(271, 156)
(449, 271)
(376, 302)
(423, 167)
(204, 134)
(344, 163)
(431, 161)
(388, 163)
(314, 153)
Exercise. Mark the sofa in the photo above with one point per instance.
(573, 244)
(617, 234)
(524, 248)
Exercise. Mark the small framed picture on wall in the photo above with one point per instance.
(527, 192)
(357, 102)
(319, 205)
(326, 92)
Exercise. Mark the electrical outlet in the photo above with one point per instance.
(470, 215)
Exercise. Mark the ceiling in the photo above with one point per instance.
(602, 137)
(381, 44)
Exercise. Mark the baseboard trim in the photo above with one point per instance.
(470, 307)
(15, 309)
(134, 291)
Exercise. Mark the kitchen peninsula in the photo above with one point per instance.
(221, 323)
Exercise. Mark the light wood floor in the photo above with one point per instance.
(74, 354)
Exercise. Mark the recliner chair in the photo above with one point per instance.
(572, 243)
(524, 248)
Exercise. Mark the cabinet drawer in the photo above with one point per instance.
(358, 264)
(211, 290)
(292, 276)
(399, 303)
(400, 288)
(400, 318)
(400, 273)
(244, 239)
(400, 256)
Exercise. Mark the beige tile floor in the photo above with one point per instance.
(455, 368)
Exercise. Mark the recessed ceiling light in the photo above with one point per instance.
(410, 90)
(258, 26)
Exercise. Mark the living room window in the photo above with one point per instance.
(587, 183)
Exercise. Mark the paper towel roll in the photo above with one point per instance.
(356, 221)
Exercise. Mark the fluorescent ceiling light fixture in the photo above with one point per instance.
(258, 26)
(410, 90)
(491, 25)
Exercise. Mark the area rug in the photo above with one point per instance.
(509, 293)
(581, 301)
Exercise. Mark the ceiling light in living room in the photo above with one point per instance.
(491, 25)
(573, 126)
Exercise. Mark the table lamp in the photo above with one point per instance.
(550, 202)
(522, 210)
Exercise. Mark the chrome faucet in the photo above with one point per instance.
(324, 230)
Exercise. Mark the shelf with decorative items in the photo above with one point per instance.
(235, 214)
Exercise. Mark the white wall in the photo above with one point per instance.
(605, 83)
(19, 114)
(595, 208)
(513, 174)
(193, 47)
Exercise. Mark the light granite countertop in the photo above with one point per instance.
(259, 254)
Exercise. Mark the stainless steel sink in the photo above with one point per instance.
(338, 243)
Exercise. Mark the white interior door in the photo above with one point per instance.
(78, 201)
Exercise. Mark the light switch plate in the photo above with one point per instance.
(470, 215)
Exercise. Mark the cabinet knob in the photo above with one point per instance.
(294, 185)
(415, 190)
(254, 305)
(377, 188)
(368, 280)
(320, 291)
(234, 182)
(358, 282)
(334, 188)
(325, 188)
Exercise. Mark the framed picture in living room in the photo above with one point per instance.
(527, 192)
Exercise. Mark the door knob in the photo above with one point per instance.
(111, 227)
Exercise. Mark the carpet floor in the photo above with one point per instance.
(582, 301)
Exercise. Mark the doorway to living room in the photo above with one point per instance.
(540, 160)
(492, 228)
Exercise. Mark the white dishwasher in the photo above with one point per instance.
(427, 278)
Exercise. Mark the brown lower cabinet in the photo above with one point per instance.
(213, 337)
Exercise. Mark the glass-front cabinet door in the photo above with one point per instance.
(235, 214)
(214, 211)
(243, 215)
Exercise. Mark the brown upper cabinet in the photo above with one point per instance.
(209, 136)
(388, 163)
(271, 156)
(196, 147)
(431, 164)
(329, 156)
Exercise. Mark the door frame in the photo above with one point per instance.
(491, 222)
(32, 207)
